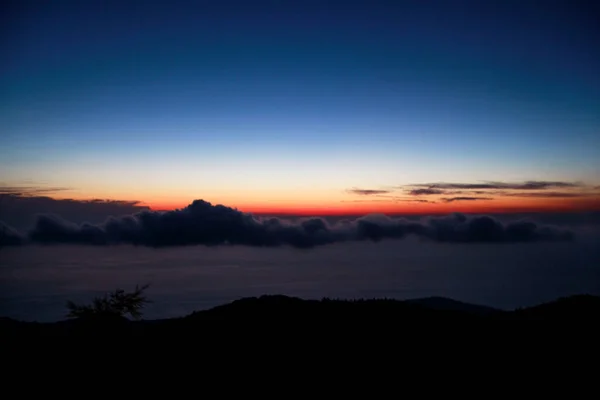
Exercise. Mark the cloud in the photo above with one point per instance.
(473, 191)
(426, 191)
(377, 198)
(9, 236)
(481, 191)
(549, 194)
(29, 190)
(21, 211)
(451, 199)
(367, 192)
(527, 185)
(368, 201)
(202, 223)
(537, 185)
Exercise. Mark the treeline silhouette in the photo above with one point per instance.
(278, 314)
(277, 335)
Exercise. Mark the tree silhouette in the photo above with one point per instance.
(118, 303)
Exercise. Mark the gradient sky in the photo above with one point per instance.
(291, 105)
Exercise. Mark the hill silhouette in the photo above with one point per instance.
(272, 336)
(270, 314)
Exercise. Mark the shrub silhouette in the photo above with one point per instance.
(115, 304)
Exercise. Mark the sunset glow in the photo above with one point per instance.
(270, 118)
(346, 204)
(446, 151)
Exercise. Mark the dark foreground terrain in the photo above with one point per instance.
(282, 317)
(297, 340)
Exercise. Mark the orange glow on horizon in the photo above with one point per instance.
(324, 205)
(468, 207)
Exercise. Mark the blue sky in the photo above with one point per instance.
(167, 101)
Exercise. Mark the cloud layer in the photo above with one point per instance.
(29, 190)
(452, 199)
(367, 192)
(528, 185)
(19, 211)
(486, 190)
(207, 224)
(472, 191)
(9, 236)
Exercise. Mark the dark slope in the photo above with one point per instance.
(281, 334)
(443, 303)
(268, 313)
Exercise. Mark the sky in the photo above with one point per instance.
(220, 149)
(304, 107)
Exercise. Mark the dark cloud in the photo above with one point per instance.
(470, 192)
(367, 192)
(473, 191)
(537, 185)
(29, 190)
(528, 185)
(451, 199)
(387, 199)
(368, 201)
(425, 191)
(418, 201)
(549, 194)
(207, 224)
(21, 211)
(481, 191)
(469, 186)
(9, 236)
(428, 191)
(54, 229)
